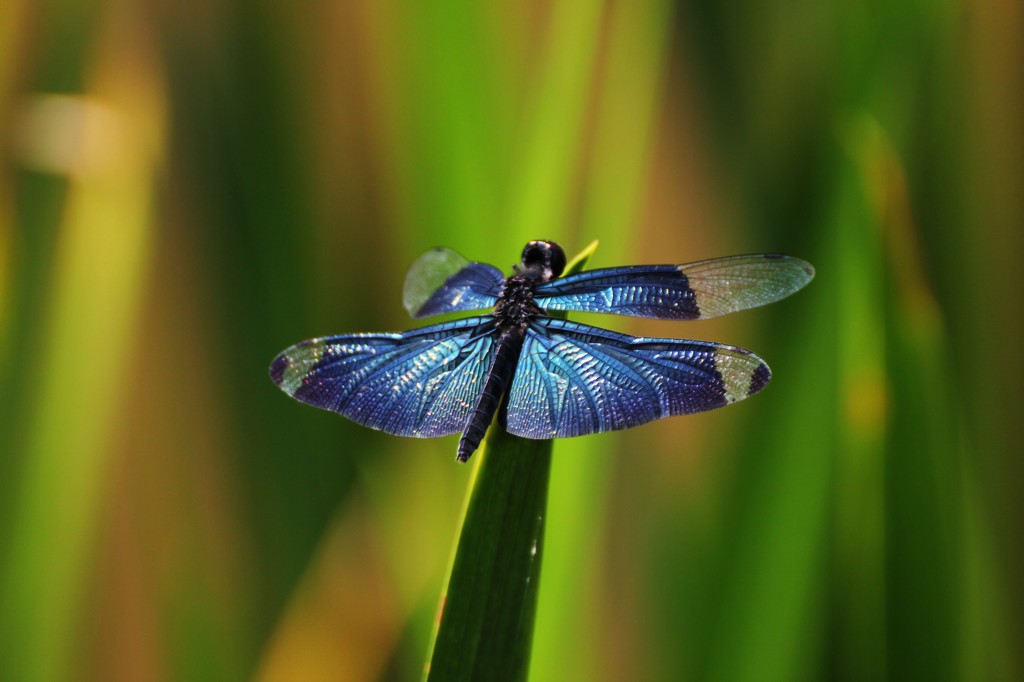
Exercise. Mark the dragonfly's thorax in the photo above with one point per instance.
(515, 306)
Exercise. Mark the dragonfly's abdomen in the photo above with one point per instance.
(506, 357)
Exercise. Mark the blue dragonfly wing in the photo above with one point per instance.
(694, 291)
(573, 379)
(422, 383)
(441, 281)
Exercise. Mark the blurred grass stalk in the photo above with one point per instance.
(84, 349)
(941, 619)
(864, 405)
(12, 24)
(632, 63)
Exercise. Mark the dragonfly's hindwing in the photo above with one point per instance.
(574, 379)
(441, 281)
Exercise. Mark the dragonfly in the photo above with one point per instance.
(541, 374)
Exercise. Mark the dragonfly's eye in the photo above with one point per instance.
(546, 257)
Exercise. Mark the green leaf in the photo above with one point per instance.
(580, 259)
(486, 622)
(485, 629)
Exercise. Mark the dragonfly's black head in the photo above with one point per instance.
(543, 260)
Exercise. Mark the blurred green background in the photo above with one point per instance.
(187, 189)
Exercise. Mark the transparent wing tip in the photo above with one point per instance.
(427, 274)
(802, 271)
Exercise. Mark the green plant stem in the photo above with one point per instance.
(486, 623)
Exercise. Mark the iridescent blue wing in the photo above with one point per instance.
(421, 383)
(573, 379)
(442, 281)
(679, 292)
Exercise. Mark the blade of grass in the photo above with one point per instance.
(486, 623)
